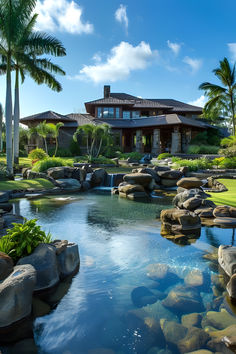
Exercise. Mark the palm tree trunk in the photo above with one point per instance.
(8, 111)
(56, 147)
(233, 113)
(1, 117)
(16, 120)
(46, 147)
(99, 149)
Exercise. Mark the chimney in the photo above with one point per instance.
(107, 90)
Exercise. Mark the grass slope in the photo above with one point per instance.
(38, 183)
(226, 198)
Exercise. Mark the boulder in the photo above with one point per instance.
(227, 259)
(60, 245)
(4, 197)
(79, 174)
(16, 294)
(150, 171)
(204, 212)
(161, 168)
(175, 220)
(69, 183)
(137, 196)
(56, 172)
(157, 271)
(98, 177)
(183, 300)
(11, 218)
(168, 182)
(180, 198)
(85, 186)
(224, 211)
(6, 207)
(218, 320)
(173, 332)
(171, 174)
(192, 203)
(44, 260)
(143, 179)
(190, 182)
(68, 260)
(142, 296)
(218, 342)
(191, 320)
(6, 265)
(32, 174)
(130, 188)
(231, 286)
(194, 278)
(195, 338)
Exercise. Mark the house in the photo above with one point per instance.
(143, 125)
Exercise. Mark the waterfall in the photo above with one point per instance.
(112, 179)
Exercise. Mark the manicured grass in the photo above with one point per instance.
(38, 183)
(226, 198)
(23, 161)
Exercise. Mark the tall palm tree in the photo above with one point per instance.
(1, 119)
(12, 17)
(55, 133)
(44, 131)
(225, 95)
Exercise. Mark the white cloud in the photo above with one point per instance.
(175, 47)
(123, 59)
(232, 49)
(121, 16)
(61, 15)
(199, 102)
(195, 64)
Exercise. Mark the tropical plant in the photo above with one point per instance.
(22, 239)
(43, 130)
(20, 48)
(203, 149)
(55, 133)
(44, 165)
(37, 154)
(229, 141)
(222, 96)
(97, 136)
(129, 155)
(164, 155)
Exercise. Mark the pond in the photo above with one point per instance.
(103, 309)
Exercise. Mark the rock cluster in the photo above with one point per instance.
(40, 271)
(227, 261)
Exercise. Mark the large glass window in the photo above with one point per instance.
(99, 112)
(126, 114)
(135, 114)
(117, 112)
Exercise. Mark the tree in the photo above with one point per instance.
(96, 136)
(54, 128)
(44, 131)
(222, 96)
(12, 17)
(1, 119)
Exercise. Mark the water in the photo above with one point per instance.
(117, 240)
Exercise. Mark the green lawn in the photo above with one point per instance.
(226, 198)
(23, 161)
(38, 183)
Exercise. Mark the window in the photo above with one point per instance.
(126, 114)
(135, 114)
(117, 112)
(99, 112)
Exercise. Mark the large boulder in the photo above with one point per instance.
(172, 174)
(168, 182)
(231, 286)
(190, 182)
(6, 207)
(11, 218)
(68, 260)
(227, 259)
(98, 177)
(150, 171)
(32, 174)
(79, 174)
(142, 296)
(16, 294)
(130, 188)
(44, 260)
(143, 179)
(180, 198)
(157, 271)
(4, 197)
(56, 172)
(224, 211)
(179, 220)
(161, 168)
(192, 203)
(195, 339)
(137, 196)
(6, 265)
(183, 299)
(69, 183)
(218, 320)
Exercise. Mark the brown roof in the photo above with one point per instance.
(48, 115)
(177, 105)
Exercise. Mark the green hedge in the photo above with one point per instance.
(130, 155)
(44, 165)
(203, 149)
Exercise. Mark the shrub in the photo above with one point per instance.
(194, 165)
(37, 154)
(218, 160)
(164, 155)
(60, 152)
(44, 165)
(229, 152)
(4, 174)
(96, 160)
(74, 148)
(203, 149)
(208, 137)
(130, 155)
(228, 162)
(22, 239)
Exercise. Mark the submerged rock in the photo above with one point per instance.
(192, 319)
(194, 278)
(142, 296)
(217, 343)
(16, 294)
(157, 271)
(173, 332)
(6, 265)
(219, 320)
(195, 338)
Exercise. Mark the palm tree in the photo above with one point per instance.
(44, 131)
(223, 96)
(12, 17)
(55, 133)
(1, 118)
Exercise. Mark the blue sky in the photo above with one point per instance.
(152, 49)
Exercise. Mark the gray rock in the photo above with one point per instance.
(98, 177)
(180, 198)
(161, 168)
(227, 259)
(4, 197)
(10, 218)
(143, 179)
(69, 183)
(204, 212)
(7, 207)
(192, 203)
(172, 174)
(44, 260)
(68, 260)
(6, 265)
(231, 286)
(16, 294)
(60, 172)
(32, 175)
(190, 182)
(142, 296)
